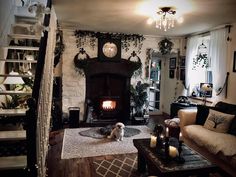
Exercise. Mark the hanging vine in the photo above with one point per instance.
(127, 40)
(148, 58)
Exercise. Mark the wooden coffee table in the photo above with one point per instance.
(195, 164)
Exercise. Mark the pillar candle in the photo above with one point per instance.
(153, 141)
(173, 152)
(180, 137)
(167, 132)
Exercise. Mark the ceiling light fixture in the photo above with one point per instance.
(165, 18)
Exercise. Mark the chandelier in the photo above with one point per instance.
(165, 18)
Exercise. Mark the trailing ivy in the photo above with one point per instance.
(127, 40)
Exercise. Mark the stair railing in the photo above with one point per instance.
(39, 113)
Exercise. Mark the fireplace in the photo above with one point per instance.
(108, 88)
(108, 105)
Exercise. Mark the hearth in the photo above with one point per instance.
(108, 88)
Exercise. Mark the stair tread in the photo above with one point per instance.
(12, 135)
(18, 61)
(18, 75)
(13, 92)
(24, 36)
(13, 162)
(22, 47)
(22, 24)
(13, 112)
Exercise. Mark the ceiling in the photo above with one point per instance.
(130, 16)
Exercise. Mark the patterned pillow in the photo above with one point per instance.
(218, 121)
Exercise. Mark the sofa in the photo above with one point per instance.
(212, 132)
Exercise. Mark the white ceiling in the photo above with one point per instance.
(123, 16)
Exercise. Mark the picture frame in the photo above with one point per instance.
(234, 62)
(182, 62)
(171, 73)
(172, 63)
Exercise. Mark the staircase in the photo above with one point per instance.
(21, 58)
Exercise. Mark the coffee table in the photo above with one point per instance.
(195, 164)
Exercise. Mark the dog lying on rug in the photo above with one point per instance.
(118, 132)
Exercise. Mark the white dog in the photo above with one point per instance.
(118, 132)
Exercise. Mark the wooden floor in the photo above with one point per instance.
(82, 167)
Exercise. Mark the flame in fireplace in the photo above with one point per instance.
(109, 105)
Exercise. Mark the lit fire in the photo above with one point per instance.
(109, 105)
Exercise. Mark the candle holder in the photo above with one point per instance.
(167, 157)
(180, 158)
(159, 144)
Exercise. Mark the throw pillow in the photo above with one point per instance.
(218, 121)
(229, 109)
(232, 129)
(202, 113)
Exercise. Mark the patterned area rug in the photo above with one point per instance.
(77, 146)
(125, 165)
(122, 166)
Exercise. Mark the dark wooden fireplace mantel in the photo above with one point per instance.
(108, 79)
(95, 66)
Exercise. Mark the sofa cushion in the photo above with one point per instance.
(214, 142)
(202, 113)
(218, 121)
(229, 109)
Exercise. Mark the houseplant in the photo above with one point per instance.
(138, 95)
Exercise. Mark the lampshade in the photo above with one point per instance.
(206, 87)
(12, 79)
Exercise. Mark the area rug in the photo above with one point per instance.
(125, 165)
(122, 165)
(77, 146)
(95, 132)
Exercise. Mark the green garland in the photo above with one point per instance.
(127, 40)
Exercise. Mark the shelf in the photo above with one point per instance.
(24, 36)
(11, 92)
(17, 61)
(22, 48)
(20, 75)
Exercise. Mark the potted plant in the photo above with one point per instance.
(138, 95)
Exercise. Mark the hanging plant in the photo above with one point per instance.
(127, 40)
(201, 60)
(165, 46)
(59, 48)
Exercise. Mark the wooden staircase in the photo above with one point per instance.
(11, 164)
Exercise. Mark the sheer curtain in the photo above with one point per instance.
(218, 55)
(191, 52)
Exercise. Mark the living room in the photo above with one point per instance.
(200, 24)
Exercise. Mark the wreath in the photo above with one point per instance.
(165, 46)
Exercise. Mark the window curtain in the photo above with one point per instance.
(191, 52)
(218, 55)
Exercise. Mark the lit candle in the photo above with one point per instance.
(162, 136)
(167, 132)
(173, 152)
(153, 141)
(180, 136)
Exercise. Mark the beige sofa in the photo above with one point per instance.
(220, 148)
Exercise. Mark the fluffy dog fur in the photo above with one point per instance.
(118, 132)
